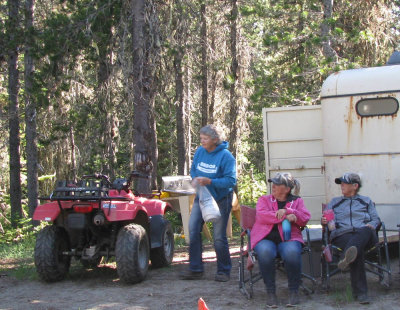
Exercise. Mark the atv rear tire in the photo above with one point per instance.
(162, 256)
(51, 264)
(132, 253)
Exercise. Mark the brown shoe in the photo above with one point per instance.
(190, 275)
(272, 301)
(222, 277)
(349, 256)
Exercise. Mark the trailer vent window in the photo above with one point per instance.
(377, 106)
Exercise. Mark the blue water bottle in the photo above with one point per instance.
(287, 229)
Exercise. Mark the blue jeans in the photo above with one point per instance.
(290, 252)
(224, 264)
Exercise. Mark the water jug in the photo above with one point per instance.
(287, 229)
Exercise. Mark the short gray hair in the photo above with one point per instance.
(211, 131)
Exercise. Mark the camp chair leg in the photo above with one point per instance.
(242, 282)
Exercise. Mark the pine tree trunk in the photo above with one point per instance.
(234, 67)
(204, 66)
(30, 111)
(327, 50)
(213, 85)
(14, 139)
(180, 128)
(144, 38)
(109, 134)
(187, 117)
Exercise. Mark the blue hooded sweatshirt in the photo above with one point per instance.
(218, 165)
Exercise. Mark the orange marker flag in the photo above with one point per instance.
(202, 304)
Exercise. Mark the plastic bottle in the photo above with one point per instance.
(287, 229)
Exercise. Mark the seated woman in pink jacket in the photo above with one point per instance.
(267, 237)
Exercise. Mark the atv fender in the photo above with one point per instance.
(153, 206)
(46, 212)
(121, 210)
(157, 225)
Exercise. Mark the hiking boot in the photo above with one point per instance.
(222, 277)
(190, 275)
(363, 299)
(272, 301)
(293, 299)
(349, 256)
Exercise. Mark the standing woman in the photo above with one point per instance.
(267, 237)
(215, 167)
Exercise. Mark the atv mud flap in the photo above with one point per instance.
(157, 225)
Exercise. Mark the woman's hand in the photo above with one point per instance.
(203, 181)
(291, 218)
(280, 214)
(370, 226)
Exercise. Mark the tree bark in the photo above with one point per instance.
(30, 111)
(103, 37)
(180, 128)
(179, 96)
(232, 91)
(204, 66)
(187, 117)
(327, 49)
(213, 84)
(73, 153)
(14, 138)
(144, 44)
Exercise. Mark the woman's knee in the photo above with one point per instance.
(265, 252)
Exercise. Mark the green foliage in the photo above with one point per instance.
(251, 186)
(23, 231)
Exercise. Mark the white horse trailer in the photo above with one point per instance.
(356, 128)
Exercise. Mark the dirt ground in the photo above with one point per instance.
(162, 289)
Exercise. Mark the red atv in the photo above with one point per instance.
(94, 218)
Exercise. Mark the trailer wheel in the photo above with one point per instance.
(132, 253)
(163, 255)
(51, 264)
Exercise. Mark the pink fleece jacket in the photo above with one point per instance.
(265, 218)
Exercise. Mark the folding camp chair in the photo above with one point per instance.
(377, 259)
(247, 276)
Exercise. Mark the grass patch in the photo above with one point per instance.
(17, 259)
(18, 250)
(343, 295)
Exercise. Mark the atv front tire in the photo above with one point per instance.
(51, 264)
(132, 253)
(162, 256)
